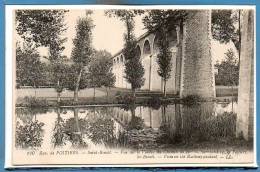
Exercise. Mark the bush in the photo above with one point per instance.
(34, 102)
(29, 135)
(154, 102)
(136, 123)
(126, 99)
(192, 99)
(223, 125)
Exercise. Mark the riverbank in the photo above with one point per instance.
(47, 97)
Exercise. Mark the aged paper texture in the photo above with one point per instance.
(130, 86)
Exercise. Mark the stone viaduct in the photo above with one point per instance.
(192, 66)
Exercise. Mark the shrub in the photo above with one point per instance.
(154, 102)
(127, 99)
(192, 99)
(29, 135)
(136, 123)
(223, 125)
(34, 102)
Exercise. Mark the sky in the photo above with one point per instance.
(108, 34)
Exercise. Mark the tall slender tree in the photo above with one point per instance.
(82, 50)
(134, 70)
(161, 22)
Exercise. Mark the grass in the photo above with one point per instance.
(48, 97)
(225, 91)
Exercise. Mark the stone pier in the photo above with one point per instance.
(245, 116)
(197, 65)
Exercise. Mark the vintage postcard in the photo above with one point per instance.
(130, 86)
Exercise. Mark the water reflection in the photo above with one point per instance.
(28, 131)
(120, 127)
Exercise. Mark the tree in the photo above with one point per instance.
(94, 76)
(72, 76)
(101, 69)
(134, 70)
(224, 27)
(161, 22)
(82, 51)
(29, 69)
(228, 71)
(44, 28)
(164, 60)
(59, 75)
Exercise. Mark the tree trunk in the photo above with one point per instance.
(58, 92)
(76, 118)
(34, 90)
(94, 98)
(76, 91)
(232, 97)
(58, 97)
(133, 91)
(107, 94)
(164, 89)
(239, 37)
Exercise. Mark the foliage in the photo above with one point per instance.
(223, 26)
(34, 102)
(162, 21)
(100, 70)
(59, 134)
(73, 128)
(123, 14)
(26, 115)
(191, 100)
(156, 19)
(30, 71)
(43, 27)
(154, 102)
(72, 76)
(82, 50)
(58, 74)
(228, 70)
(101, 131)
(29, 135)
(134, 70)
(136, 123)
(222, 125)
(164, 58)
(127, 99)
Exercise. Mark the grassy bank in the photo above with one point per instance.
(47, 97)
(226, 91)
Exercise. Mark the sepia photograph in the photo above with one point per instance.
(131, 86)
